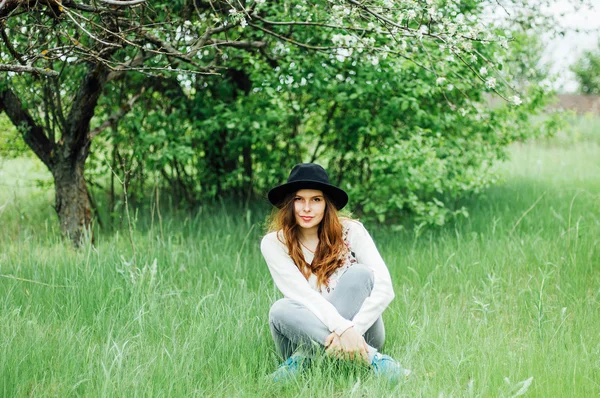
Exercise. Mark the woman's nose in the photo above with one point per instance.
(307, 206)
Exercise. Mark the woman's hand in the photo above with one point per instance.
(332, 345)
(349, 344)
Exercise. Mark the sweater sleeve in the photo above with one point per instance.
(366, 253)
(292, 284)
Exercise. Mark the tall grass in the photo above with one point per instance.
(505, 302)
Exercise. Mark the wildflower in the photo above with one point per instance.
(440, 80)
(516, 100)
(490, 82)
(483, 71)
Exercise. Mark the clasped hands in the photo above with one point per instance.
(348, 345)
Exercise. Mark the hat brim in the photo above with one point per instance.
(338, 196)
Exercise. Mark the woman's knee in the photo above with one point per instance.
(284, 310)
(360, 275)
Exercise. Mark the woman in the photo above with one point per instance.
(335, 283)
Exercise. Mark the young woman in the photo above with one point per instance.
(335, 283)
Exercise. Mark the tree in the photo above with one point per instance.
(82, 48)
(86, 51)
(587, 72)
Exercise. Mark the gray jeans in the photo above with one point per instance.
(294, 327)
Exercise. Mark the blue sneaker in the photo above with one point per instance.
(386, 366)
(289, 369)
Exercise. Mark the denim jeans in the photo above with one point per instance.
(296, 328)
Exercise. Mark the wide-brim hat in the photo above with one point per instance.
(308, 176)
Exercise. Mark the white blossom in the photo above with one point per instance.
(516, 100)
(343, 53)
(483, 71)
(411, 14)
(440, 80)
(490, 82)
(243, 23)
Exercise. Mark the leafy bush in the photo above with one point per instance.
(402, 139)
(587, 72)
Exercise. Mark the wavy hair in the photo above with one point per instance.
(331, 250)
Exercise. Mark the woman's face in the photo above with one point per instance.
(309, 207)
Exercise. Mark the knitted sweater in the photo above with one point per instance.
(293, 285)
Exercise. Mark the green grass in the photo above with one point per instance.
(482, 305)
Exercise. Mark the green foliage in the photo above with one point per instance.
(11, 144)
(397, 116)
(587, 72)
(404, 140)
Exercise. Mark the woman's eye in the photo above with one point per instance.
(296, 199)
(317, 199)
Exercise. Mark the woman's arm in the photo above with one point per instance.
(383, 292)
(290, 281)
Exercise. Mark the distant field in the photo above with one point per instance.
(503, 303)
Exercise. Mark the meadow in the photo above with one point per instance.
(503, 303)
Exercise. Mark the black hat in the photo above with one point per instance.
(308, 176)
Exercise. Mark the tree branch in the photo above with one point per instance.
(123, 2)
(33, 135)
(28, 69)
(297, 43)
(236, 44)
(76, 137)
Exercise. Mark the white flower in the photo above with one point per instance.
(411, 14)
(260, 1)
(483, 71)
(516, 100)
(440, 80)
(450, 87)
(243, 23)
(343, 53)
(490, 82)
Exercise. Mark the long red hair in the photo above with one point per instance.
(331, 250)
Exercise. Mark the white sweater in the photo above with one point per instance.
(292, 284)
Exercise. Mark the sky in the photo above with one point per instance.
(562, 52)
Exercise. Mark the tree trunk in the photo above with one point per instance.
(65, 159)
(72, 203)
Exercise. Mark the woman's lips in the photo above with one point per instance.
(306, 218)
